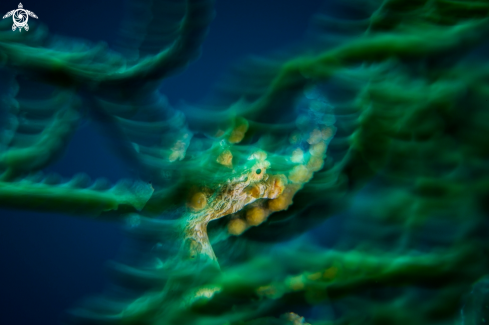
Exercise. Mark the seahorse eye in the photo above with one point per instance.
(258, 171)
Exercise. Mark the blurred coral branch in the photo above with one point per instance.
(383, 123)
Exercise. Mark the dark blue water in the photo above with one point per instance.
(48, 262)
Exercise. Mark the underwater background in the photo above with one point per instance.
(354, 135)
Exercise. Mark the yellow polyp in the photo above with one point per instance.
(267, 291)
(278, 204)
(254, 191)
(259, 155)
(255, 216)
(314, 276)
(277, 185)
(330, 273)
(175, 155)
(315, 163)
(207, 292)
(297, 156)
(314, 137)
(318, 149)
(294, 319)
(177, 151)
(326, 133)
(283, 201)
(296, 283)
(236, 226)
(198, 201)
(219, 133)
(239, 131)
(300, 174)
(179, 145)
(225, 158)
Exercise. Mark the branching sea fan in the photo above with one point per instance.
(379, 121)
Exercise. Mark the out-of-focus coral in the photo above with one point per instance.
(380, 122)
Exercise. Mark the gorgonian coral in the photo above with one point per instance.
(380, 120)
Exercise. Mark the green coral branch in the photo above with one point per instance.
(50, 143)
(124, 197)
(111, 69)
